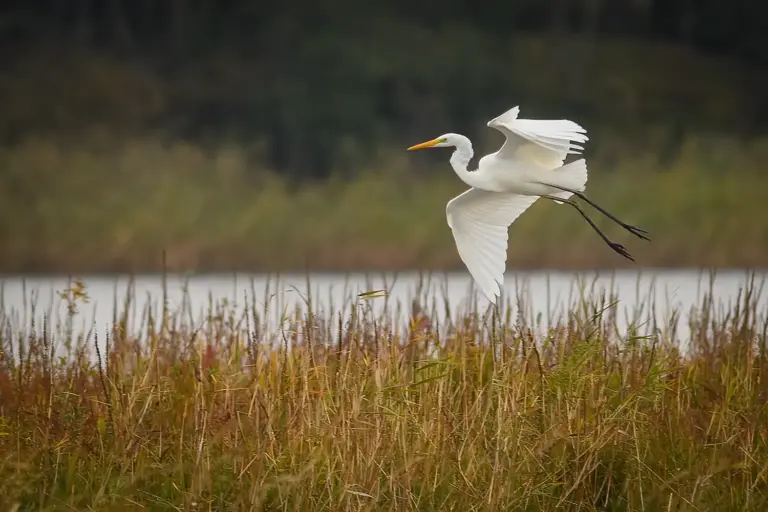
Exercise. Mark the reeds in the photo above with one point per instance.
(348, 409)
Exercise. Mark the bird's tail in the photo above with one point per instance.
(572, 175)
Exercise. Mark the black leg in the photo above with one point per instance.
(641, 233)
(613, 245)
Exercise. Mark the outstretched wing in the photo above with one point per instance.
(541, 141)
(479, 221)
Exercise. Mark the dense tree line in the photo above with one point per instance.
(323, 82)
(739, 28)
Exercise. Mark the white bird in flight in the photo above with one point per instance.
(529, 165)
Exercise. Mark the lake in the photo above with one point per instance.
(544, 294)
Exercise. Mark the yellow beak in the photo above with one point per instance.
(423, 145)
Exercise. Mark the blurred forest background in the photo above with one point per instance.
(249, 135)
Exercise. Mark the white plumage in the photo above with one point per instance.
(479, 221)
(530, 164)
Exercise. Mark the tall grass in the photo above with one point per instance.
(345, 410)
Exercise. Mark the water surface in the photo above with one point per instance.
(543, 296)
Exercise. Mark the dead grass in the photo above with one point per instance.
(345, 411)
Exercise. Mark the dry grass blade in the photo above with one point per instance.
(344, 410)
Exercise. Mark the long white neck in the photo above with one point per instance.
(460, 159)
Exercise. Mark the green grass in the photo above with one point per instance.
(70, 208)
(476, 414)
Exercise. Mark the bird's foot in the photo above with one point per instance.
(640, 233)
(621, 250)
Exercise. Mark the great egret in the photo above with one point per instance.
(528, 166)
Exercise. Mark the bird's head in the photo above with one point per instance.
(448, 139)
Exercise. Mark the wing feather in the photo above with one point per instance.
(479, 221)
(543, 141)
